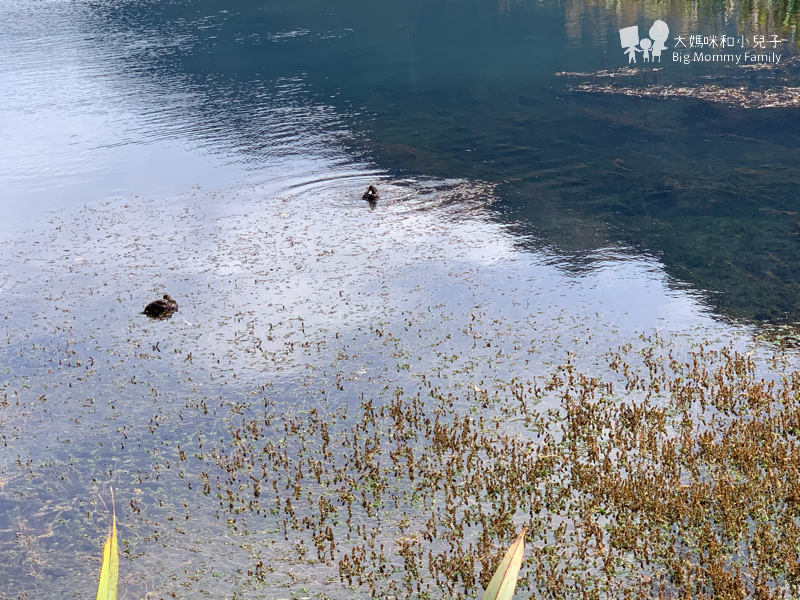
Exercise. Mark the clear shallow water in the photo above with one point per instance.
(277, 307)
(221, 151)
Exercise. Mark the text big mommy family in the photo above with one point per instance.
(742, 58)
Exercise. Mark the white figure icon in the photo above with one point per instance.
(629, 38)
(659, 32)
(645, 44)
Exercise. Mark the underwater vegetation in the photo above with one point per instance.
(653, 477)
(661, 478)
(323, 444)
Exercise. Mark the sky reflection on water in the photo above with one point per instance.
(107, 99)
(273, 303)
(218, 151)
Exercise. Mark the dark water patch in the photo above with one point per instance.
(688, 182)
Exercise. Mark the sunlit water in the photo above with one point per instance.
(218, 151)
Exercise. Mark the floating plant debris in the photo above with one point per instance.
(623, 72)
(761, 67)
(778, 97)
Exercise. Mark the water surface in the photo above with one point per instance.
(218, 151)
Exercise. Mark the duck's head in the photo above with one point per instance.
(371, 193)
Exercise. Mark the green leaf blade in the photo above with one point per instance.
(109, 571)
(504, 581)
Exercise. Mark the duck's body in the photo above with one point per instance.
(161, 308)
(371, 195)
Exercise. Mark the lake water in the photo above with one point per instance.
(538, 193)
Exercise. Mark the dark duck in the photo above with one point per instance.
(371, 195)
(161, 308)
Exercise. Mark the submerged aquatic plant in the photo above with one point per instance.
(661, 477)
(401, 460)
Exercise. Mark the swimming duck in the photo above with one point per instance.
(371, 194)
(161, 308)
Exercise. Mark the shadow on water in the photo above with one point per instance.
(456, 90)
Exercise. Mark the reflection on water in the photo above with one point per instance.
(521, 225)
(670, 176)
(279, 314)
(601, 20)
(445, 90)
